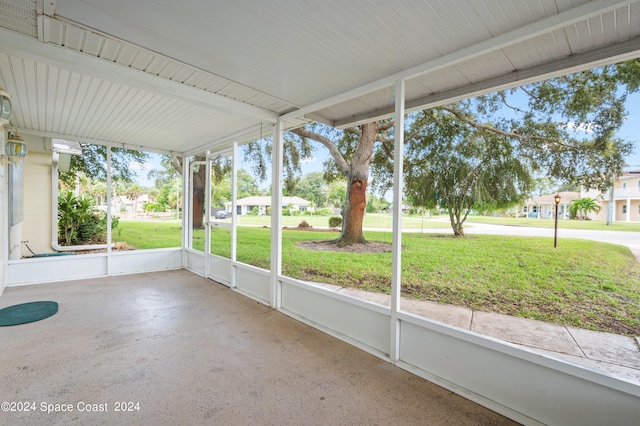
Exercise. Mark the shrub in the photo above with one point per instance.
(304, 224)
(335, 221)
(323, 212)
(154, 207)
(80, 222)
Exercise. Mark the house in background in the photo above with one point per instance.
(263, 204)
(623, 204)
(544, 207)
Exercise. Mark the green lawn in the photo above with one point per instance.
(384, 221)
(149, 235)
(581, 283)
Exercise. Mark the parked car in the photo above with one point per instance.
(223, 214)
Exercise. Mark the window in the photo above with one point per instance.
(16, 199)
(624, 209)
(624, 185)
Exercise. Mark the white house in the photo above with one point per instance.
(263, 204)
(543, 207)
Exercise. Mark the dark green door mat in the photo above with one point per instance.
(27, 312)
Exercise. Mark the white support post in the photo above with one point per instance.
(276, 215)
(207, 216)
(109, 212)
(4, 214)
(396, 264)
(189, 203)
(186, 232)
(234, 215)
(628, 216)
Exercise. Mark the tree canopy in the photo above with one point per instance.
(460, 168)
(94, 158)
(563, 128)
(489, 149)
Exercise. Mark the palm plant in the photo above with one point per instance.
(583, 206)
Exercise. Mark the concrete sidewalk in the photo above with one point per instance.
(612, 354)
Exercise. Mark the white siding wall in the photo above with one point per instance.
(36, 227)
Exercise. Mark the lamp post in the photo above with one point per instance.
(555, 233)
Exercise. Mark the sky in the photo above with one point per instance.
(630, 131)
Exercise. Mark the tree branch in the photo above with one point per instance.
(387, 151)
(512, 134)
(176, 162)
(504, 101)
(327, 143)
(383, 127)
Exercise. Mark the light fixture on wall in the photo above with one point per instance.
(62, 152)
(14, 150)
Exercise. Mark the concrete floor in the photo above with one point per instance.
(189, 351)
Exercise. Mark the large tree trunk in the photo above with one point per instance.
(199, 180)
(357, 174)
(357, 180)
(198, 188)
(354, 212)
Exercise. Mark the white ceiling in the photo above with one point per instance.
(193, 75)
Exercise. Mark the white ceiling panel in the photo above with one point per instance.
(517, 62)
(20, 16)
(199, 74)
(81, 107)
